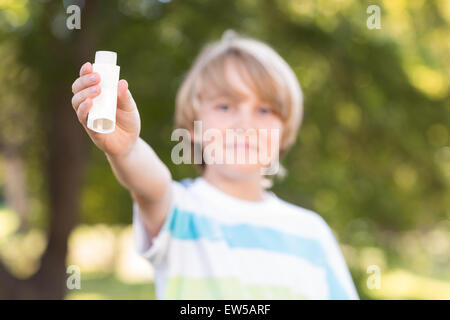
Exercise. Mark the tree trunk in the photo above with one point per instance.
(65, 171)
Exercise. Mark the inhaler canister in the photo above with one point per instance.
(102, 116)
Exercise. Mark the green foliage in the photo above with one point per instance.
(372, 156)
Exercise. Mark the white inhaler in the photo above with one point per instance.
(102, 116)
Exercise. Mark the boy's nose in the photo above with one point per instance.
(244, 118)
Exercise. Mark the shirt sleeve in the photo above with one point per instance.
(340, 280)
(155, 248)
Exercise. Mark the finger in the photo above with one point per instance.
(89, 92)
(125, 100)
(85, 69)
(85, 81)
(83, 111)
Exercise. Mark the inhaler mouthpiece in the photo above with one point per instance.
(106, 57)
(102, 116)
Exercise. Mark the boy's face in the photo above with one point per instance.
(250, 119)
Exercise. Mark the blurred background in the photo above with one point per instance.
(372, 156)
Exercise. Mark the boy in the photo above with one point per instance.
(222, 235)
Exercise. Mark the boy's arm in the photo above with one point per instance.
(133, 162)
(148, 180)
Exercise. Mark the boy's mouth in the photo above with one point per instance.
(236, 145)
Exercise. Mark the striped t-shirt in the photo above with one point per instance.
(215, 246)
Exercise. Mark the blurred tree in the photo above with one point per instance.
(53, 57)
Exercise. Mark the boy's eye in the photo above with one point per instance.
(223, 107)
(264, 110)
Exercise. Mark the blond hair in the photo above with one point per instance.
(269, 76)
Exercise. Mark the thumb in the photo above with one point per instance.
(124, 99)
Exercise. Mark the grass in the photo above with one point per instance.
(97, 286)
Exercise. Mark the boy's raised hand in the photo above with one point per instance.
(128, 124)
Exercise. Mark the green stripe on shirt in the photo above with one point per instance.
(224, 288)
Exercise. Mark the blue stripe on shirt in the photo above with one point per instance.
(186, 225)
